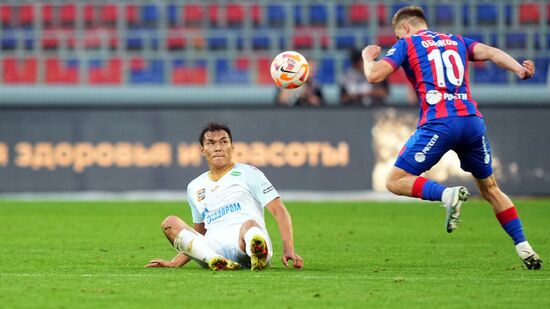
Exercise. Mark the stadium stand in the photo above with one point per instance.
(102, 42)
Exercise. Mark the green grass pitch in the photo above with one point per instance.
(357, 255)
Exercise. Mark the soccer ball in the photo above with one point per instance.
(289, 69)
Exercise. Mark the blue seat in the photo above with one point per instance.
(172, 14)
(153, 73)
(276, 15)
(150, 14)
(217, 40)
(138, 39)
(341, 15)
(517, 40)
(487, 14)
(260, 41)
(226, 74)
(318, 14)
(345, 41)
(489, 73)
(444, 14)
(326, 71)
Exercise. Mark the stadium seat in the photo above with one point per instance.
(108, 14)
(225, 73)
(326, 71)
(386, 39)
(150, 14)
(213, 15)
(105, 72)
(487, 14)
(345, 40)
(444, 14)
(67, 15)
(529, 13)
(256, 14)
(263, 75)
(6, 13)
(308, 38)
(489, 73)
(132, 15)
(26, 15)
(318, 15)
(276, 16)
(19, 71)
(234, 14)
(359, 13)
(61, 71)
(516, 40)
(341, 15)
(260, 41)
(89, 13)
(141, 39)
(217, 40)
(184, 73)
(172, 15)
(146, 71)
(193, 14)
(47, 15)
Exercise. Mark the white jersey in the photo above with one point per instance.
(240, 195)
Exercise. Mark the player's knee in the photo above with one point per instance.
(391, 185)
(170, 221)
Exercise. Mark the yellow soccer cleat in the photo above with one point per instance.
(259, 250)
(221, 263)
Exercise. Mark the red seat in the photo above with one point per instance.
(234, 14)
(193, 14)
(132, 14)
(89, 15)
(386, 40)
(192, 75)
(6, 14)
(26, 14)
(108, 14)
(359, 13)
(264, 75)
(60, 72)
(67, 14)
(109, 73)
(20, 71)
(256, 14)
(47, 15)
(529, 13)
(54, 38)
(213, 14)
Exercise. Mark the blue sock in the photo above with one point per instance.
(427, 189)
(510, 222)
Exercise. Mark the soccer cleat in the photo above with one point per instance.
(221, 263)
(529, 257)
(258, 247)
(459, 196)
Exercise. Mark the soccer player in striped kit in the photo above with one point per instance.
(436, 64)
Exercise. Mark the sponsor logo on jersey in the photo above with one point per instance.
(201, 194)
(487, 158)
(222, 212)
(235, 173)
(421, 156)
(433, 97)
(390, 52)
(268, 189)
(215, 188)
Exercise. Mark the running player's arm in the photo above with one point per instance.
(484, 52)
(375, 71)
(284, 221)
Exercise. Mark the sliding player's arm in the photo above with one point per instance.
(375, 71)
(483, 52)
(284, 221)
(180, 259)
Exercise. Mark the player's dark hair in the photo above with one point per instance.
(408, 12)
(213, 127)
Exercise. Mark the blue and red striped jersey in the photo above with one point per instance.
(436, 64)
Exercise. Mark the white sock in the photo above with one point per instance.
(193, 245)
(447, 196)
(253, 231)
(524, 248)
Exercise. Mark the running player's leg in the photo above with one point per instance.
(255, 241)
(422, 151)
(508, 217)
(191, 243)
(475, 157)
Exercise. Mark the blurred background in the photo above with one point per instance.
(109, 95)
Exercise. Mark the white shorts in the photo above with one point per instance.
(226, 243)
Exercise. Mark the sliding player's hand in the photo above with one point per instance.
(159, 263)
(297, 261)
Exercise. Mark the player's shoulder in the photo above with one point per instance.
(198, 181)
(247, 170)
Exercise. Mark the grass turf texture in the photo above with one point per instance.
(357, 254)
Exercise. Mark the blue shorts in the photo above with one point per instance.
(465, 135)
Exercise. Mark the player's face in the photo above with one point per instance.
(217, 149)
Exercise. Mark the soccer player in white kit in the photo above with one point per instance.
(227, 204)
